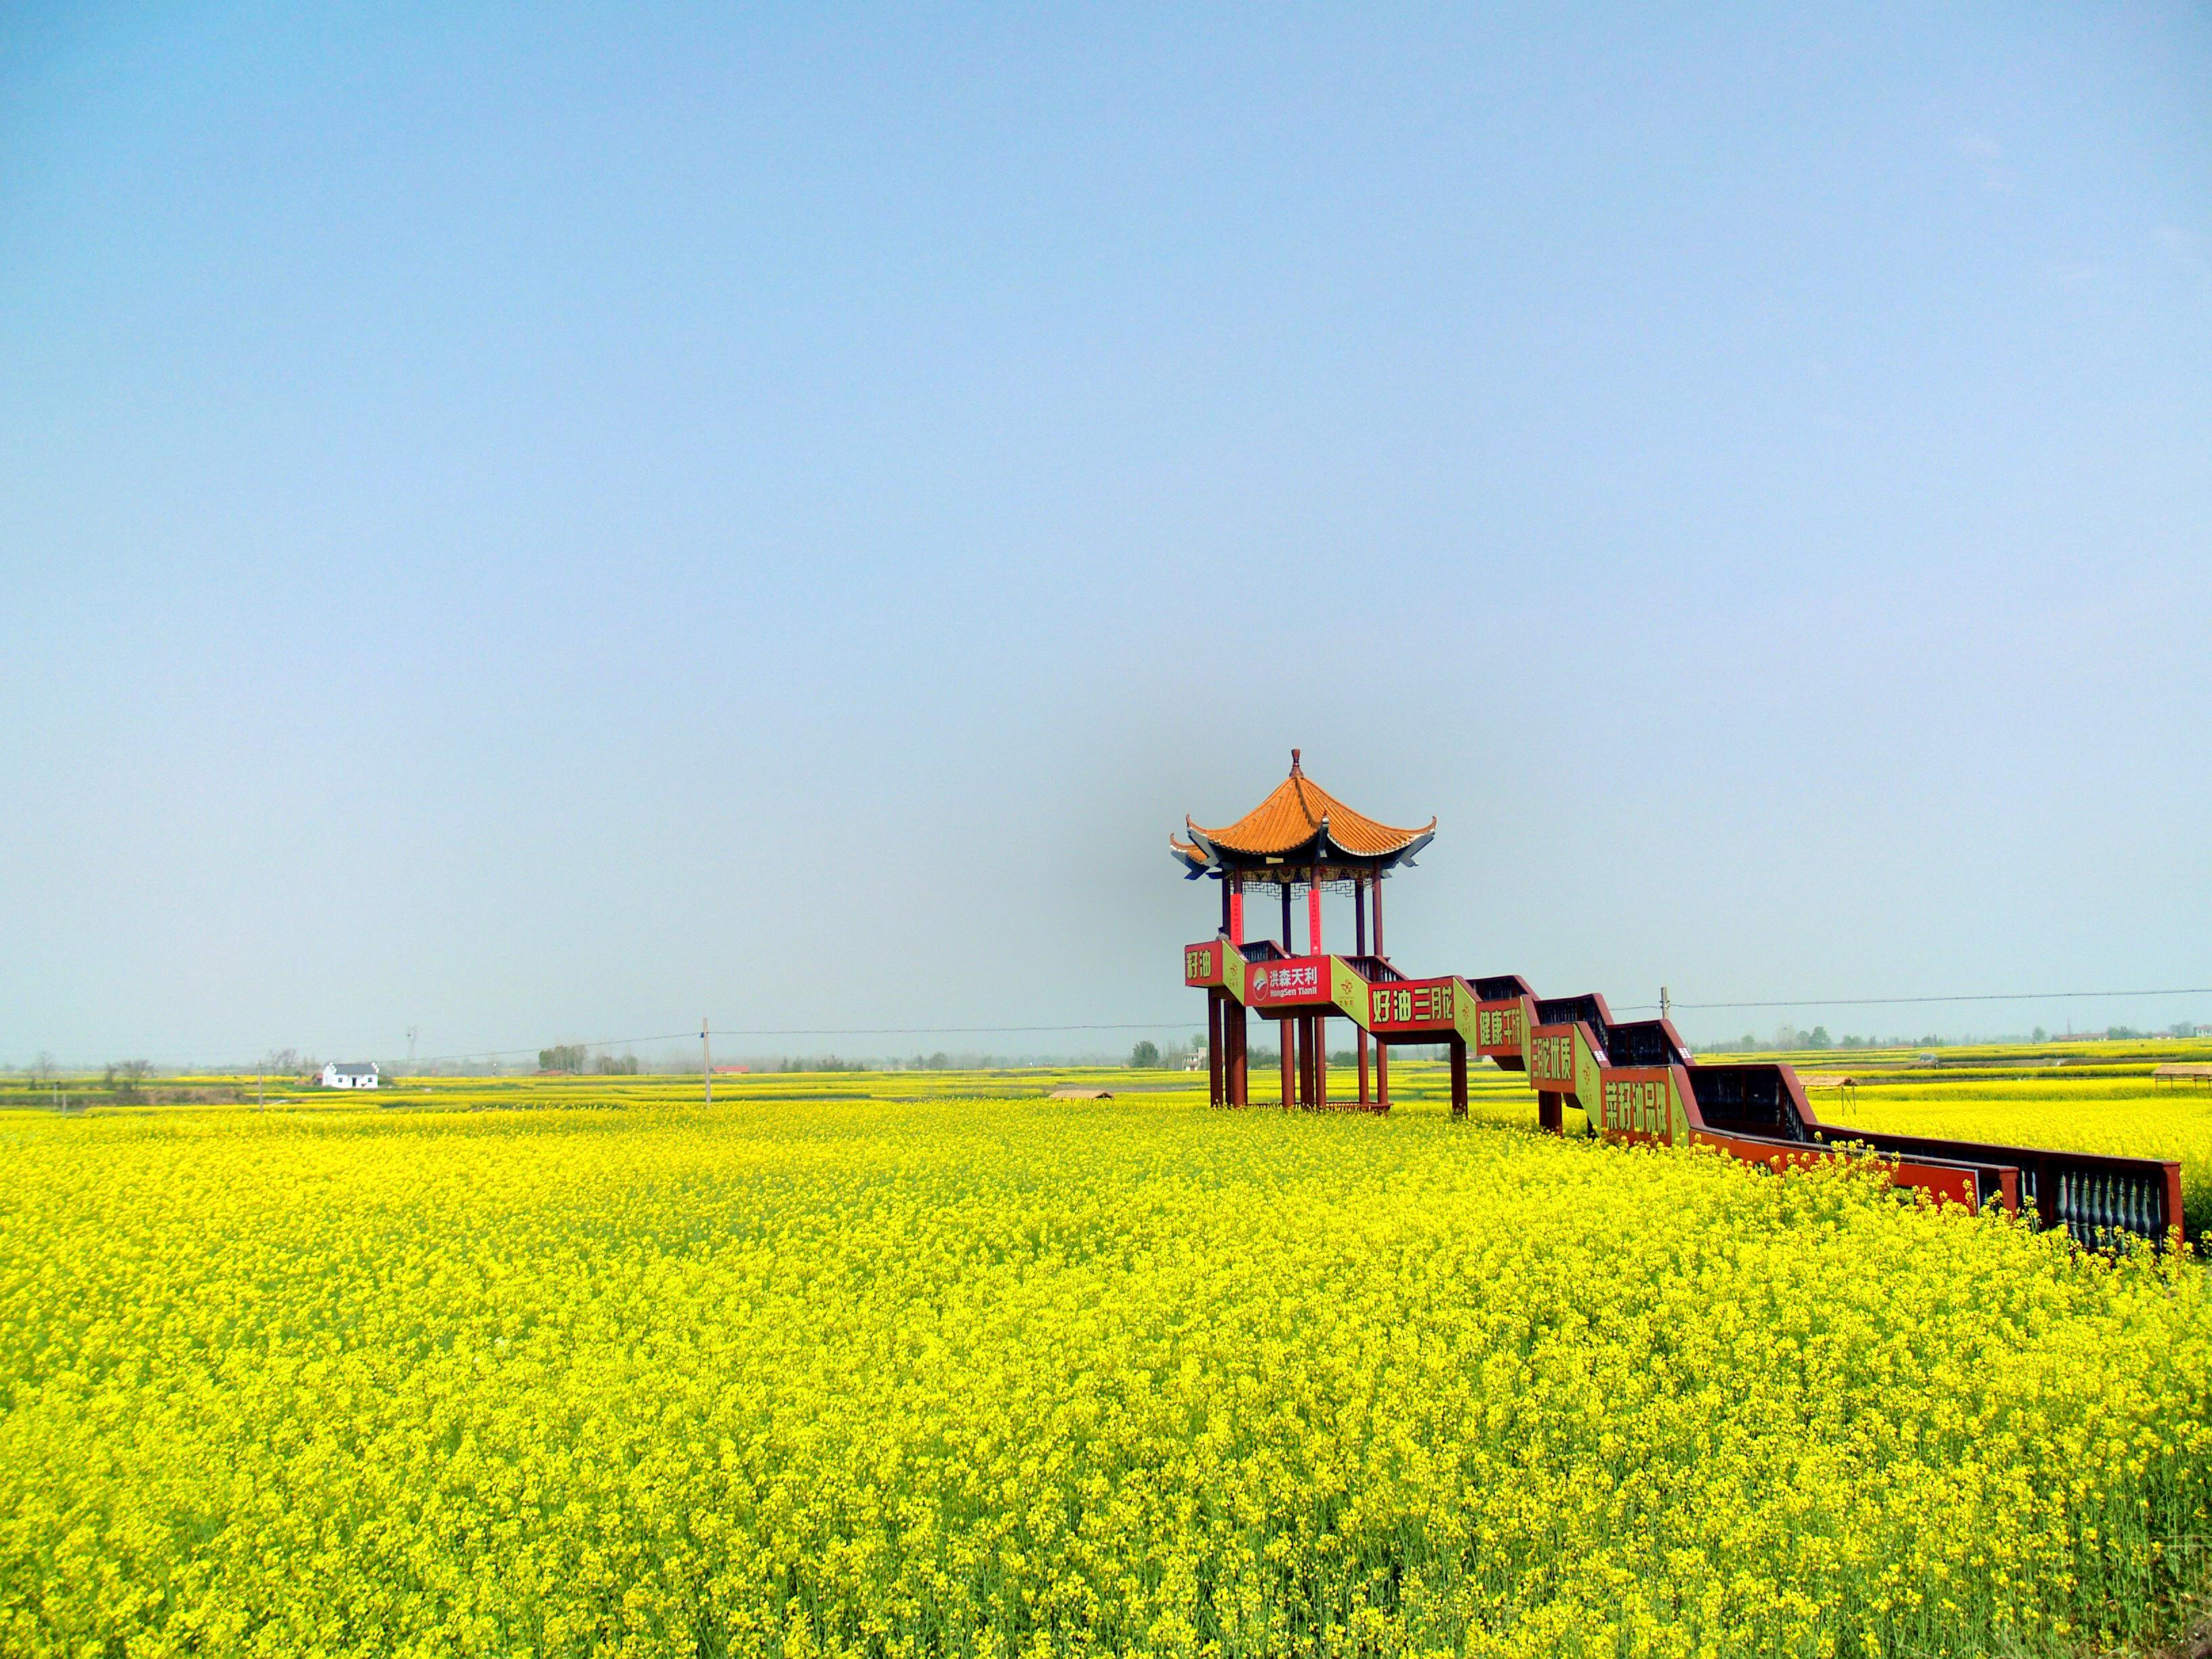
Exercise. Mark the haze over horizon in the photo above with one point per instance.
(534, 526)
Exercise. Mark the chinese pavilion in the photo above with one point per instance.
(1300, 840)
(1633, 1081)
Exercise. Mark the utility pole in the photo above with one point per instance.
(259, 1102)
(410, 1047)
(706, 1060)
(1664, 1003)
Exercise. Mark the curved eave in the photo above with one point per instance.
(1319, 841)
(1299, 860)
(1192, 859)
(1418, 845)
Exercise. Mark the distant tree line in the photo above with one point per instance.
(1790, 1037)
(126, 1080)
(1148, 1054)
(575, 1057)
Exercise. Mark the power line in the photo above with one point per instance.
(830, 1030)
(1156, 1025)
(1988, 996)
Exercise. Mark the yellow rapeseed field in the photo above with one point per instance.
(825, 1373)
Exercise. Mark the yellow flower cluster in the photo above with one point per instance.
(1002, 1377)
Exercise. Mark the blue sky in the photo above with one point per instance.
(540, 523)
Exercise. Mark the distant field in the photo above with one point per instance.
(920, 1363)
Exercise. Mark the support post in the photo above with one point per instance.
(1360, 948)
(1237, 1031)
(1382, 1051)
(1321, 1060)
(1213, 1056)
(1287, 950)
(1459, 1076)
(1243, 1058)
(1287, 1027)
(1551, 1116)
(706, 1060)
(1224, 901)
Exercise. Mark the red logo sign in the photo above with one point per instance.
(1285, 982)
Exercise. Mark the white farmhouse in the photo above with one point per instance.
(336, 1076)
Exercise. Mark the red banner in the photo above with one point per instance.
(1498, 1028)
(1420, 1005)
(1552, 1058)
(1636, 1102)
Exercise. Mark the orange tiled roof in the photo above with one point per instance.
(1290, 817)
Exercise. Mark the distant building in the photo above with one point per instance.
(336, 1076)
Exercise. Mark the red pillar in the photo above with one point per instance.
(1381, 1050)
(1320, 1058)
(1232, 1013)
(1287, 1026)
(1360, 948)
(1459, 1076)
(1214, 1055)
